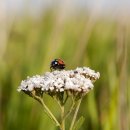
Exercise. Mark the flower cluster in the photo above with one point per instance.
(61, 85)
(79, 80)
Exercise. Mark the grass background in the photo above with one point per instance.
(80, 40)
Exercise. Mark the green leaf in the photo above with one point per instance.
(79, 123)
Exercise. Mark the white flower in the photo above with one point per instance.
(79, 80)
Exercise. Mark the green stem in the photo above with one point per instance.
(48, 112)
(75, 114)
(62, 118)
(65, 99)
(70, 110)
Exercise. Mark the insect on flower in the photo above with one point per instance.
(57, 64)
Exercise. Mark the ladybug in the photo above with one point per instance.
(57, 64)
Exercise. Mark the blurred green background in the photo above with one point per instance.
(81, 38)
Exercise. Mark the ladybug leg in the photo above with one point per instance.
(51, 68)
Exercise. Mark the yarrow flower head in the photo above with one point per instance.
(78, 82)
(61, 84)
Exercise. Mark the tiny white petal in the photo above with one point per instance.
(61, 90)
(30, 87)
(51, 88)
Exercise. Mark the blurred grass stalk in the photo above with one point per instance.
(3, 29)
(123, 93)
(3, 42)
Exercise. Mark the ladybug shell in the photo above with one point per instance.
(60, 62)
(57, 64)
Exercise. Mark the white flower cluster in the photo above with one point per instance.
(79, 80)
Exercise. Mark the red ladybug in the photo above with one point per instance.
(57, 64)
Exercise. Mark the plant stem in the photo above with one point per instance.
(70, 110)
(62, 118)
(48, 112)
(75, 114)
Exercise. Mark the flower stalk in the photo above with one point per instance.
(62, 118)
(47, 110)
(75, 114)
(70, 110)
